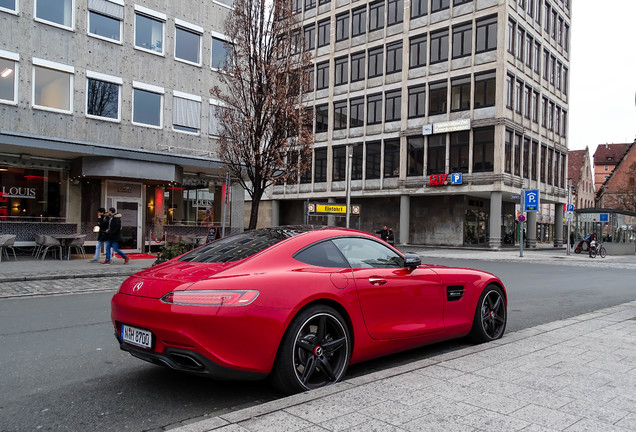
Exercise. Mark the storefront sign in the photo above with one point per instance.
(427, 129)
(124, 189)
(330, 208)
(17, 192)
(442, 179)
(593, 217)
(202, 203)
(451, 126)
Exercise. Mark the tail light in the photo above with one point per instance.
(210, 298)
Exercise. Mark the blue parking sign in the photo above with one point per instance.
(531, 200)
(456, 178)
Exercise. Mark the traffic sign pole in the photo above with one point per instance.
(522, 224)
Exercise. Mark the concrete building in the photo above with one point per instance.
(580, 174)
(445, 110)
(606, 157)
(107, 103)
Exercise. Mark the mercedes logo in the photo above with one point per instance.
(138, 286)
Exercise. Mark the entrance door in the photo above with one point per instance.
(132, 239)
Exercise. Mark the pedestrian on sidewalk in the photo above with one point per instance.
(102, 235)
(384, 233)
(114, 236)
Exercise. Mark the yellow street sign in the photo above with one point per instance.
(329, 208)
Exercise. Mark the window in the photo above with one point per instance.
(462, 40)
(551, 116)
(557, 120)
(527, 101)
(187, 46)
(438, 5)
(342, 70)
(508, 151)
(552, 69)
(483, 149)
(419, 8)
(550, 162)
(359, 21)
(535, 106)
(311, 84)
(537, 11)
(415, 156)
(393, 105)
(149, 27)
(322, 118)
(485, 90)
(391, 158)
(52, 86)
(560, 32)
(417, 101)
(544, 159)
(310, 37)
(357, 66)
(436, 155)
(535, 149)
(417, 52)
(215, 121)
(460, 2)
(528, 50)
(439, 46)
(459, 151)
(526, 157)
(536, 57)
(9, 6)
(103, 96)
(517, 155)
(521, 33)
(437, 98)
(324, 27)
(57, 12)
(342, 27)
(460, 94)
(105, 19)
(363, 253)
(509, 95)
(340, 115)
(339, 166)
(546, 64)
(221, 51)
(564, 84)
(511, 37)
(546, 15)
(297, 6)
(486, 34)
(356, 112)
(563, 122)
(186, 112)
(559, 73)
(553, 24)
(394, 57)
(147, 105)
(544, 112)
(310, 4)
(518, 96)
(323, 254)
(372, 164)
(8, 77)
(566, 38)
(320, 165)
(374, 109)
(322, 75)
(376, 15)
(395, 12)
(376, 62)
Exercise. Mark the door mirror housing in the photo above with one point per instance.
(412, 260)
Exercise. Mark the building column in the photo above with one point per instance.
(531, 230)
(331, 219)
(405, 218)
(558, 225)
(275, 212)
(495, 220)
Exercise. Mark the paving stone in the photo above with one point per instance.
(546, 417)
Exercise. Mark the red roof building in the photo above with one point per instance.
(582, 179)
(606, 157)
(619, 190)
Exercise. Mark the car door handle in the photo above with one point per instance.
(377, 281)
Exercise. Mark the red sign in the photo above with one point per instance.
(437, 179)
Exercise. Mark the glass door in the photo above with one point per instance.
(130, 224)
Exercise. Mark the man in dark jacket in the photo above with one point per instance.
(114, 236)
(102, 235)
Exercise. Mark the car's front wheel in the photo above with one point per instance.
(314, 352)
(491, 315)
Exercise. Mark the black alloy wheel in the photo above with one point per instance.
(491, 315)
(315, 351)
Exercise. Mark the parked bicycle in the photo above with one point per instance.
(597, 248)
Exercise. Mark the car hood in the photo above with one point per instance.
(173, 275)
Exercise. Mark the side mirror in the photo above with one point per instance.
(412, 260)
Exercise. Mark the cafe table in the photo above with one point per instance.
(65, 241)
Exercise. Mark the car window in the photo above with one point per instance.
(323, 254)
(240, 246)
(367, 253)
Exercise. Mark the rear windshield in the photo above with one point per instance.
(240, 246)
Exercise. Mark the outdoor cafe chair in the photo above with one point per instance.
(6, 243)
(78, 244)
(39, 242)
(50, 242)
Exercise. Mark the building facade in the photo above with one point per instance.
(582, 179)
(107, 103)
(618, 192)
(445, 109)
(606, 157)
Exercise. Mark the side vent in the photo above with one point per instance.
(454, 292)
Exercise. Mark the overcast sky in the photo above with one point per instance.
(602, 73)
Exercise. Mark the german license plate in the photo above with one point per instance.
(136, 336)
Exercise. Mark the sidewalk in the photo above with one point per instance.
(573, 375)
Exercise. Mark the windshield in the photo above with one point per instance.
(241, 246)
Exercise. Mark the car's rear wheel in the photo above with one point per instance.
(314, 352)
(491, 315)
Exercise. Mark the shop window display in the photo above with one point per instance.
(31, 194)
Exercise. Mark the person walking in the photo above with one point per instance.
(384, 233)
(114, 236)
(102, 235)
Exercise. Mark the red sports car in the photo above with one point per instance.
(299, 305)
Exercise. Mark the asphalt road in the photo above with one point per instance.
(62, 369)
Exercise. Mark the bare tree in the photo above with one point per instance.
(102, 98)
(265, 133)
(626, 195)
